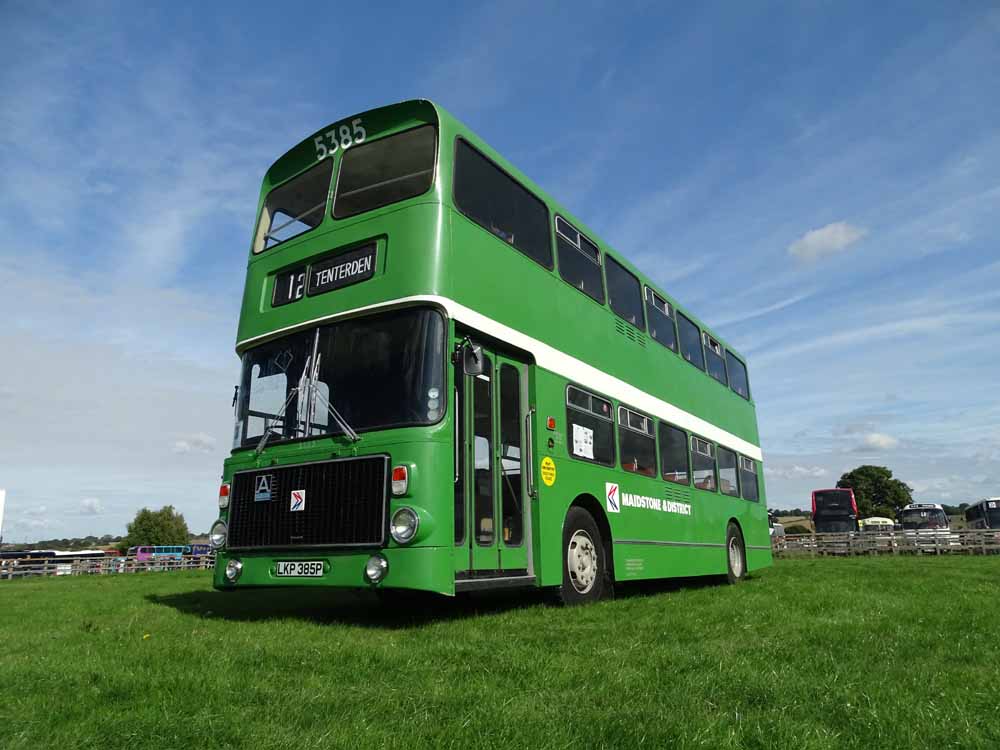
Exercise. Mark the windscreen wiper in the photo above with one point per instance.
(331, 409)
(280, 415)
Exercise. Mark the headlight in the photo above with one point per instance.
(405, 523)
(233, 570)
(376, 568)
(217, 536)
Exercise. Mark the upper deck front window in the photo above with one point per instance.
(295, 207)
(385, 171)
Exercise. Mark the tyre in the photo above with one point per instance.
(586, 572)
(736, 554)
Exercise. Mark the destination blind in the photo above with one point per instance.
(342, 270)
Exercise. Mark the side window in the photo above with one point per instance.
(660, 317)
(690, 341)
(703, 463)
(579, 260)
(748, 479)
(674, 454)
(716, 362)
(624, 292)
(591, 431)
(728, 479)
(636, 444)
(737, 375)
(501, 205)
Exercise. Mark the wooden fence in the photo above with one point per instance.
(80, 566)
(964, 542)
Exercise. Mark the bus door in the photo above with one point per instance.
(491, 518)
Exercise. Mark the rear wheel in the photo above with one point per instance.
(736, 554)
(586, 575)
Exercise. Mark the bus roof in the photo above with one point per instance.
(983, 500)
(303, 155)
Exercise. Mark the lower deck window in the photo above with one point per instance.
(748, 479)
(674, 454)
(591, 433)
(703, 464)
(728, 481)
(636, 443)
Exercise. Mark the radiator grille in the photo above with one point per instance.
(345, 505)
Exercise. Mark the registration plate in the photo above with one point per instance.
(300, 569)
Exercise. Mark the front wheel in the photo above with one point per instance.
(736, 554)
(586, 574)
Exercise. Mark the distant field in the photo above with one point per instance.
(842, 653)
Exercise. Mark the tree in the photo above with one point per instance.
(874, 488)
(164, 526)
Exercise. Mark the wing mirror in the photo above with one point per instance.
(472, 359)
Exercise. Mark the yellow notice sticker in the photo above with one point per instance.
(548, 471)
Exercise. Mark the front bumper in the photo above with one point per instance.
(418, 568)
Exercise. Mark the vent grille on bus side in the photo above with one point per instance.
(345, 505)
(678, 493)
(632, 334)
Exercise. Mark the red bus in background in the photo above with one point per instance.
(834, 510)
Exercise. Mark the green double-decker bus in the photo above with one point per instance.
(449, 383)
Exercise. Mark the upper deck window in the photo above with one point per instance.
(715, 360)
(385, 171)
(624, 292)
(660, 316)
(501, 205)
(690, 338)
(737, 375)
(579, 260)
(294, 207)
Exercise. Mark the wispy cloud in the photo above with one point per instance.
(795, 472)
(197, 443)
(91, 506)
(750, 314)
(879, 441)
(828, 240)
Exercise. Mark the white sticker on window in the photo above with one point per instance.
(583, 441)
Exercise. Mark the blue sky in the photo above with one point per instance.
(821, 181)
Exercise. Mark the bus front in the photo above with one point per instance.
(342, 405)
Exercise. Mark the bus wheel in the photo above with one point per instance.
(585, 570)
(736, 554)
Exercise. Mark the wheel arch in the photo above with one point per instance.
(590, 504)
(739, 527)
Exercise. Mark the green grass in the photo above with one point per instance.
(855, 653)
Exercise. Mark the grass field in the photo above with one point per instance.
(853, 653)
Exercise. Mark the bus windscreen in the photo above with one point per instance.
(381, 371)
(834, 503)
(924, 518)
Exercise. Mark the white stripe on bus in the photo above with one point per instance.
(555, 361)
